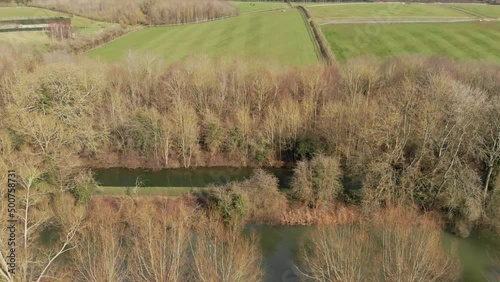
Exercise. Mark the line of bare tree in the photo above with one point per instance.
(151, 12)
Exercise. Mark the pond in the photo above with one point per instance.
(279, 246)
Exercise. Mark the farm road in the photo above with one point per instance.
(374, 21)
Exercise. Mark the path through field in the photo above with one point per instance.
(395, 21)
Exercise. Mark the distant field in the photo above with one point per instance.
(26, 12)
(472, 40)
(272, 35)
(82, 25)
(491, 11)
(246, 7)
(383, 11)
(29, 38)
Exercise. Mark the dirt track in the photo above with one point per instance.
(402, 21)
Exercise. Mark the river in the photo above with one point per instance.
(279, 244)
(180, 177)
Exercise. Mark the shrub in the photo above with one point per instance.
(84, 186)
(307, 148)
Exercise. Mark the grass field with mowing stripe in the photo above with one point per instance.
(490, 11)
(271, 35)
(471, 40)
(383, 11)
(246, 7)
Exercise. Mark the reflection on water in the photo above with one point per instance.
(280, 244)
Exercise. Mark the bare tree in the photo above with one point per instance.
(342, 253)
(162, 252)
(100, 254)
(185, 124)
(221, 254)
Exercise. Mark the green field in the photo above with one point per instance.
(323, 14)
(471, 40)
(82, 25)
(26, 12)
(272, 36)
(490, 11)
(246, 7)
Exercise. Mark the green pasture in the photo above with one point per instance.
(272, 35)
(26, 12)
(470, 40)
(383, 11)
(246, 7)
(489, 11)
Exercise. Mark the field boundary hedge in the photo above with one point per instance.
(188, 23)
(215, 19)
(321, 42)
(91, 45)
(31, 5)
(312, 37)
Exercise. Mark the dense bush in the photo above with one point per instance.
(255, 199)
